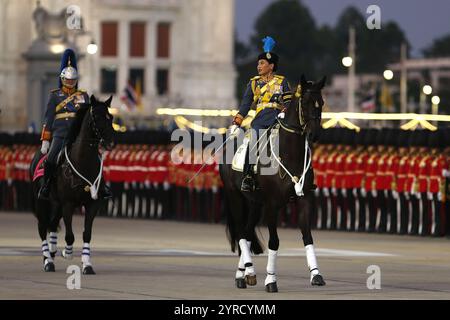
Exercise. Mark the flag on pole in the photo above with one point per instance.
(129, 97)
(138, 91)
(368, 104)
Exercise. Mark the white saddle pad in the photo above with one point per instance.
(239, 157)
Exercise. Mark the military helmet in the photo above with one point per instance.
(68, 69)
(268, 55)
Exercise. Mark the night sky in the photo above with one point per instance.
(421, 20)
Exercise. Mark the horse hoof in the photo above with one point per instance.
(272, 287)
(88, 270)
(240, 283)
(250, 280)
(317, 280)
(49, 267)
(67, 256)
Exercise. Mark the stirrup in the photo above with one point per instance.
(248, 184)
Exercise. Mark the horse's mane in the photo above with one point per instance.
(75, 127)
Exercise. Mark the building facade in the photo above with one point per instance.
(170, 52)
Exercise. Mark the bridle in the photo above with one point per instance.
(98, 140)
(303, 120)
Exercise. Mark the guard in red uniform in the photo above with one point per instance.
(390, 182)
(381, 186)
(400, 183)
(349, 180)
(359, 181)
(370, 169)
(436, 190)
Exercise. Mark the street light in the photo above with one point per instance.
(427, 90)
(92, 47)
(347, 61)
(435, 100)
(388, 74)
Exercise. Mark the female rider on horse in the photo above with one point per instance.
(63, 103)
(269, 93)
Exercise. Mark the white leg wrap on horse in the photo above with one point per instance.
(241, 267)
(86, 254)
(67, 252)
(271, 267)
(53, 242)
(45, 250)
(245, 253)
(311, 259)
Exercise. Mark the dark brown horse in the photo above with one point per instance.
(292, 181)
(78, 178)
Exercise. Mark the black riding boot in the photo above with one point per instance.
(248, 181)
(105, 192)
(44, 192)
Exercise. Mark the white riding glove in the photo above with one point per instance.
(281, 115)
(45, 146)
(234, 130)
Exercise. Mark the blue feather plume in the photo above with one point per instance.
(68, 54)
(269, 43)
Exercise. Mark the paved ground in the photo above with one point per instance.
(145, 259)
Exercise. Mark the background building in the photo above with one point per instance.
(172, 52)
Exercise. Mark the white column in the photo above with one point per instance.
(123, 43)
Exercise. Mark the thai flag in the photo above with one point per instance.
(368, 104)
(129, 97)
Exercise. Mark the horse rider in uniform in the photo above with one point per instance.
(63, 103)
(270, 94)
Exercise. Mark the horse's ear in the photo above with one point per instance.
(303, 80)
(108, 102)
(93, 99)
(321, 83)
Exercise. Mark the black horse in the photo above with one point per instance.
(293, 181)
(78, 178)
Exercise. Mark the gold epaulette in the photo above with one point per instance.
(54, 90)
(255, 78)
(81, 90)
(279, 77)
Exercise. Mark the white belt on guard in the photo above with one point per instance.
(93, 187)
(298, 183)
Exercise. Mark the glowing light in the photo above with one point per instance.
(435, 100)
(57, 48)
(92, 48)
(427, 89)
(347, 61)
(388, 74)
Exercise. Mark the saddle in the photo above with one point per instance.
(39, 170)
(239, 157)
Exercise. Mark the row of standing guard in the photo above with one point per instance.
(387, 180)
